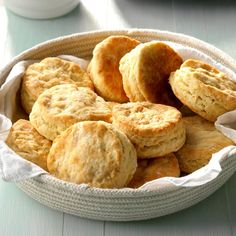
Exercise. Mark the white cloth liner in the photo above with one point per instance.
(14, 168)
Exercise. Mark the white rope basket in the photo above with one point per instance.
(118, 204)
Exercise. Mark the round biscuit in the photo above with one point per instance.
(202, 140)
(93, 153)
(146, 70)
(155, 168)
(49, 72)
(63, 105)
(154, 129)
(104, 67)
(28, 143)
(205, 90)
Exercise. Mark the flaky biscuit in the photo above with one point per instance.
(63, 105)
(28, 143)
(202, 140)
(145, 71)
(155, 168)
(50, 72)
(104, 67)
(205, 90)
(154, 129)
(94, 153)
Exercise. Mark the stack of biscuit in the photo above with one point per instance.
(119, 124)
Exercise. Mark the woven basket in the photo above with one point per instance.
(123, 204)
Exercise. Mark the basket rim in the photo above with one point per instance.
(167, 36)
(179, 38)
(85, 189)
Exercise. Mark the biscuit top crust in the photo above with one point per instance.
(104, 67)
(53, 71)
(28, 143)
(146, 117)
(95, 153)
(69, 101)
(209, 76)
(63, 105)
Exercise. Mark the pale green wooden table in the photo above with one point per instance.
(214, 22)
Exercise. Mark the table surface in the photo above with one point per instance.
(211, 21)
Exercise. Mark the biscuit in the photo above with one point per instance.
(205, 90)
(154, 129)
(50, 72)
(155, 168)
(202, 140)
(104, 67)
(28, 143)
(145, 71)
(63, 105)
(94, 153)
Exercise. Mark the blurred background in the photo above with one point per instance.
(213, 21)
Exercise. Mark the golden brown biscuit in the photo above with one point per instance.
(63, 105)
(154, 129)
(205, 90)
(202, 140)
(104, 67)
(50, 72)
(155, 168)
(28, 143)
(94, 153)
(145, 71)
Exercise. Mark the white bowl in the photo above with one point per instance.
(41, 9)
(118, 204)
